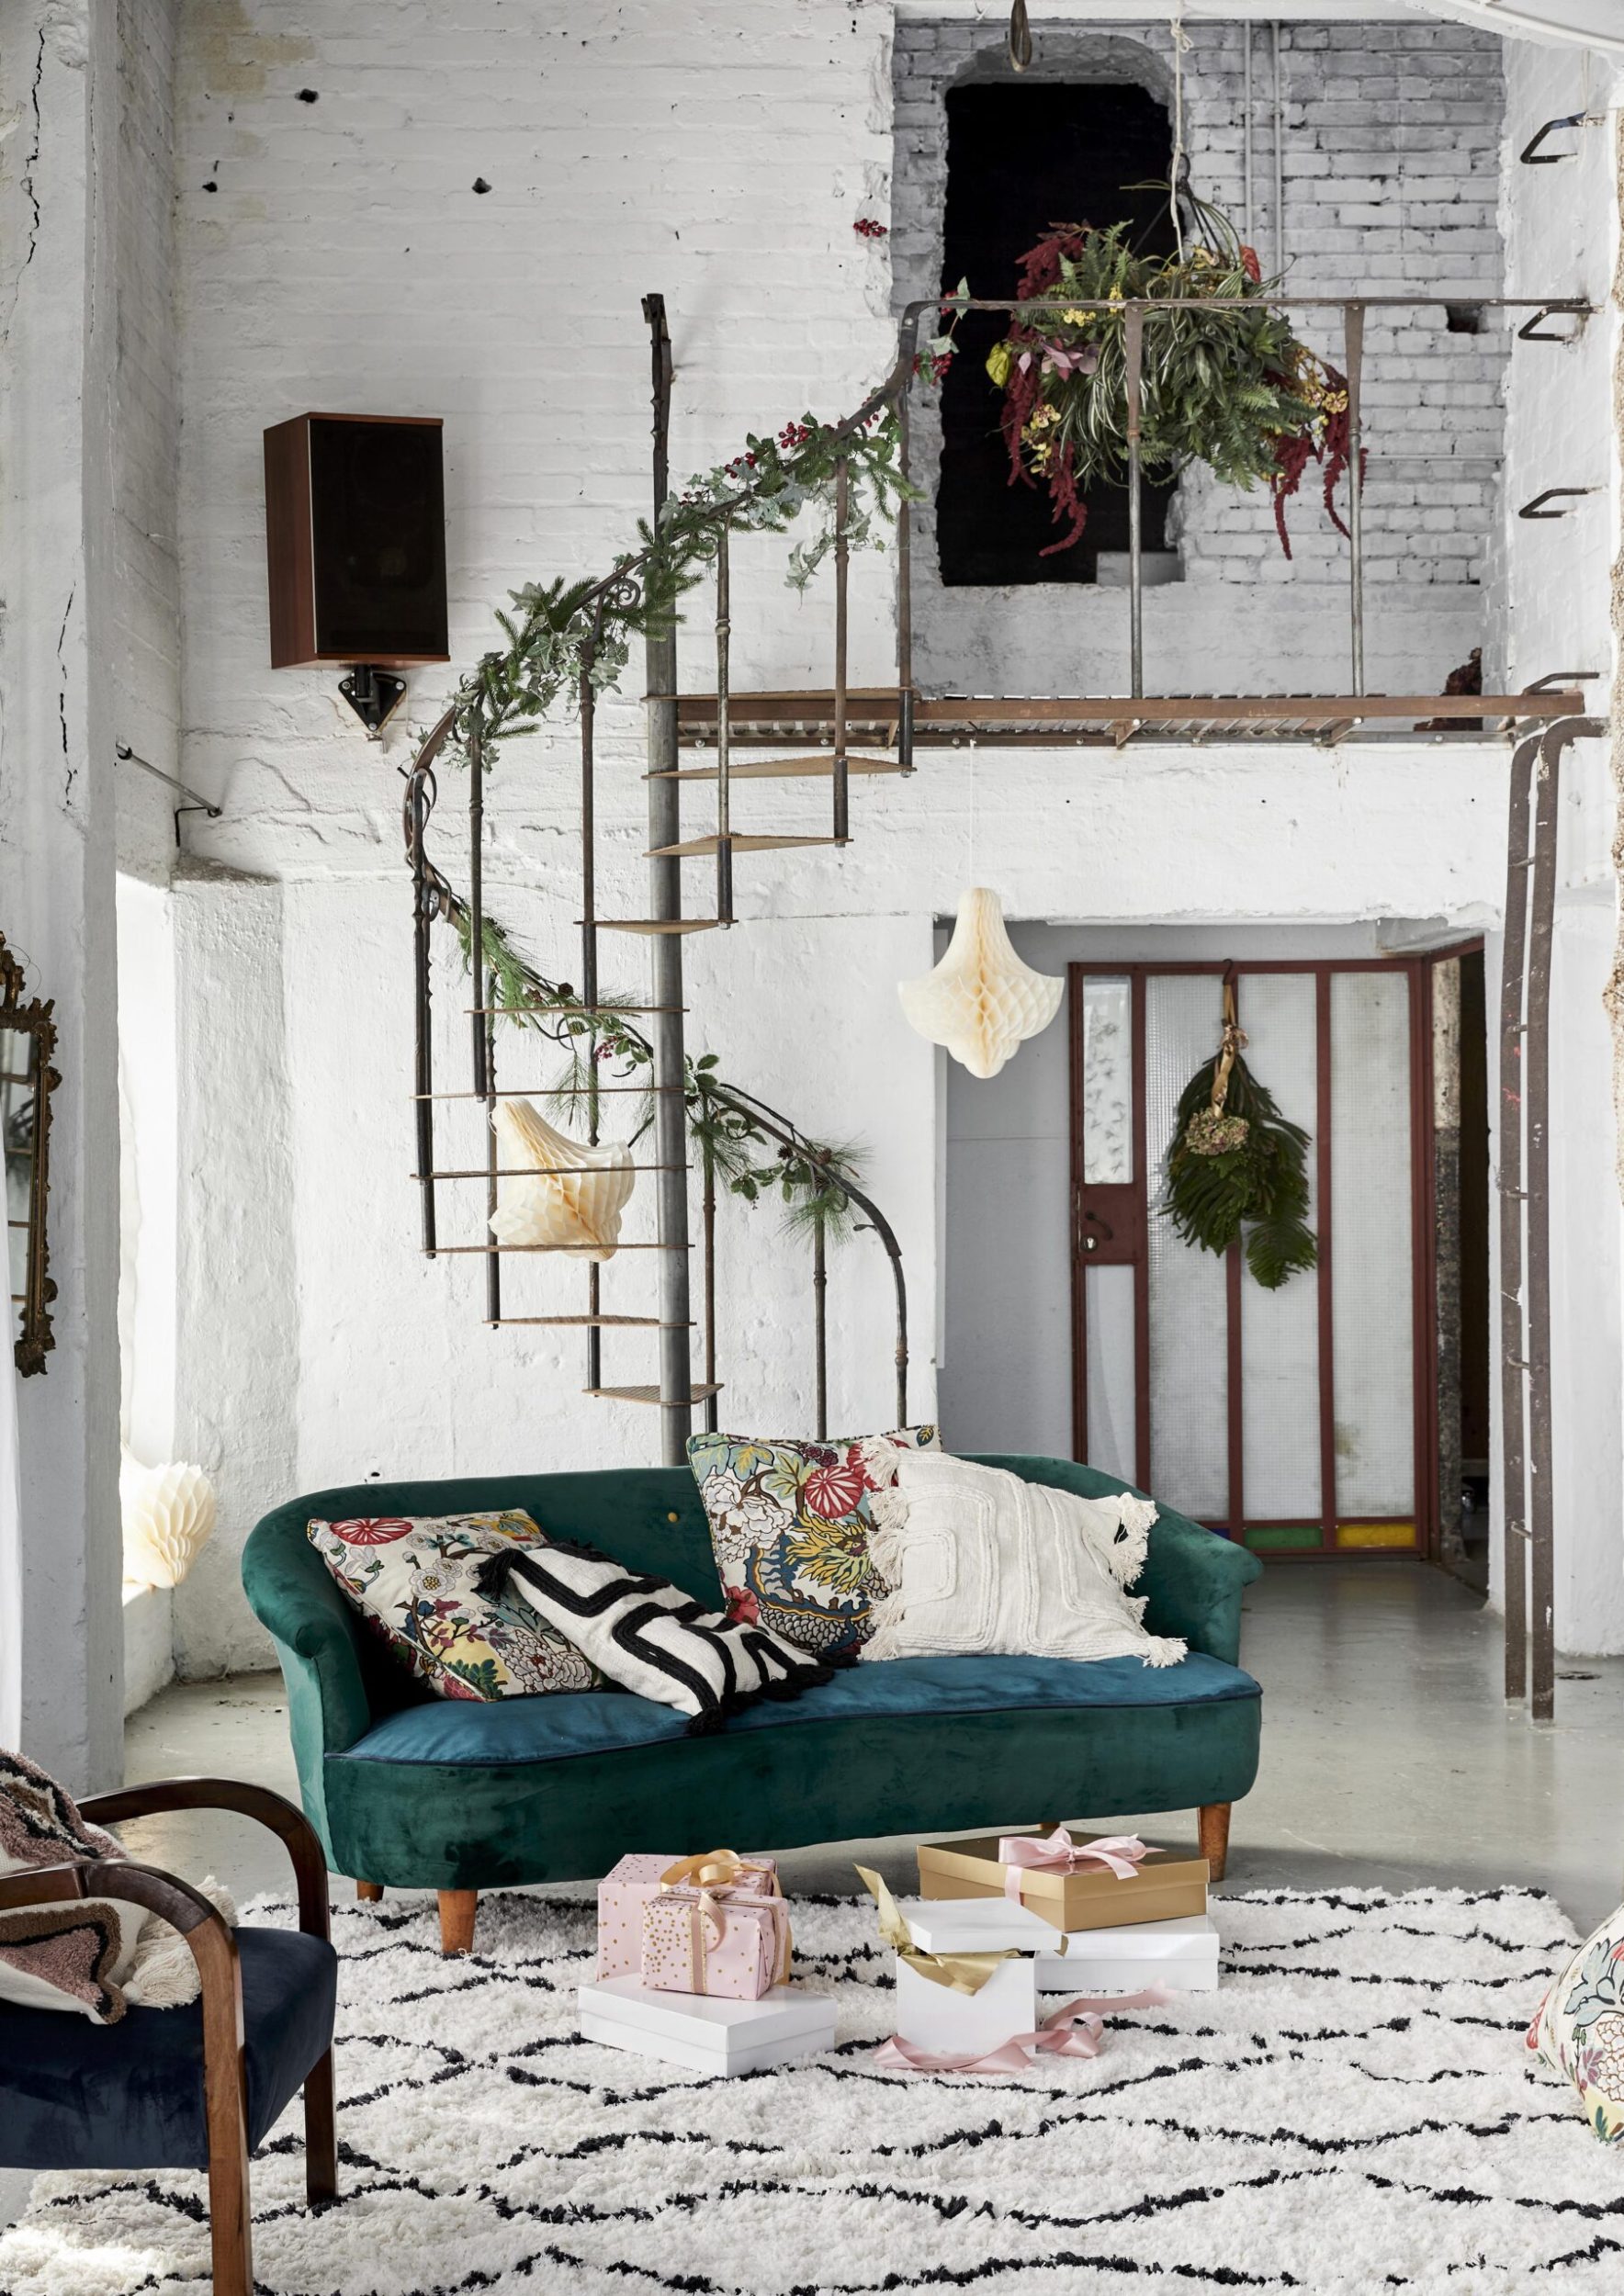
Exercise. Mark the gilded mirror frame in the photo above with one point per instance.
(30, 1019)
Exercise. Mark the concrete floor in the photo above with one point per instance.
(1389, 1759)
(1389, 1756)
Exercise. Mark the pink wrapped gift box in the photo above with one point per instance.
(724, 1943)
(623, 1894)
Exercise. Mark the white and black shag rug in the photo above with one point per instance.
(1353, 2109)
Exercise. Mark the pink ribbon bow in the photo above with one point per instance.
(1060, 1854)
(1075, 2030)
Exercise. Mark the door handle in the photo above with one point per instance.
(1091, 1220)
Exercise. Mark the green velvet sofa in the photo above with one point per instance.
(415, 1792)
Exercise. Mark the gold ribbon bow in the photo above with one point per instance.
(723, 1869)
(964, 1972)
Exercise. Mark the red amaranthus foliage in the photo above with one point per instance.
(1040, 271)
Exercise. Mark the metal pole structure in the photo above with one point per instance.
(1537, 1066)
(1354, 355)
(1248, 215)
(589, 974)
(423, 1061)
(665, 892)
(1513, 1461)
(1536, 1319)
(1133, 347)
(1280, 158)
(485, 1023)
(724, 735)
(905, 672)
(820, 1318)
(482, 1081)
(842, 557)
(709, 1217)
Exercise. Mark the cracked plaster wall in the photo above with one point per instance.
(58, 169)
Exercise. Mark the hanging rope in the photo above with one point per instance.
(1181, 167)
(1232, 1042)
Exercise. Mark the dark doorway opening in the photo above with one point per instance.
(1019, 159)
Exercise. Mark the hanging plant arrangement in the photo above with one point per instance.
(1238, 1166)
(1228, 385)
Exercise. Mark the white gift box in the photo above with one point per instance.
(703, 2032)
(949, 2023)
(1181, 1954)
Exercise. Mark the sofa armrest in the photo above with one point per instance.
(317, 1634)
(1193, 1579)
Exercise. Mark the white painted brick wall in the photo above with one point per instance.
(1389, 169)
(720, 152)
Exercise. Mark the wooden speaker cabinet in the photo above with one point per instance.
(356, 534)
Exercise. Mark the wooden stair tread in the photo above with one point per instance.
(694, 846)
(597, 1322)
(812, 765)
(651, 1394)
(656, 924)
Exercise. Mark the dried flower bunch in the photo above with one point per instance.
(1226, 383)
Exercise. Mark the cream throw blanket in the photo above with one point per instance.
(981, 1560)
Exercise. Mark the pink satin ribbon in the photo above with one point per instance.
(1060, 1854)
(1076, 2029)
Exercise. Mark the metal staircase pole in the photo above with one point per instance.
(665, 894)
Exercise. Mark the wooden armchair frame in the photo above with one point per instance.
(214, 1949)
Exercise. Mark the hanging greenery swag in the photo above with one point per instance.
(1237, 1164)
(1228, 385)
(559, 635)
(743, 1143)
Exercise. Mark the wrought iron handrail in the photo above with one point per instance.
(1136, 310)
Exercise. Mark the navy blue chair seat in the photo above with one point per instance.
(131, 2094)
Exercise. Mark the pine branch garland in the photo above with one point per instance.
(1238, 1166)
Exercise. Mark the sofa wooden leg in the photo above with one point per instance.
(1214, 1825)
(457, 1908)
(320, 2133)
(369, 1892)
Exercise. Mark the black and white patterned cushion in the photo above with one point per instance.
(647, 1635)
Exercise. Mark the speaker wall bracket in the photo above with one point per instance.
(374, 695)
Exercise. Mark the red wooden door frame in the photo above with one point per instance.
(1126, 1211)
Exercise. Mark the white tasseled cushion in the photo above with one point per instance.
(981, 1560)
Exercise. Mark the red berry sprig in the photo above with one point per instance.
(866, 227)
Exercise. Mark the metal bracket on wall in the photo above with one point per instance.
(1532, 156)
(194, 804)
(1532, 331)
(374, 695)
(1536, 509)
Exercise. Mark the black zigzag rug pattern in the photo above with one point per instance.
(1352, 2109)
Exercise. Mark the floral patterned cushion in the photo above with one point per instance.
(412, 1580)
(789, 1525)
(1578, 2028)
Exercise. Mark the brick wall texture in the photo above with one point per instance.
(1388, 146)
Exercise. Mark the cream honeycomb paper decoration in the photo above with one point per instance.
(981, 1001)
(168, 1515)
(575, 1200)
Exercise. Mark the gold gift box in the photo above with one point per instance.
(1089, 1898)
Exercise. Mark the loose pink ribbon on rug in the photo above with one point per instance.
(1060, 1854)
(1076, 2029)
